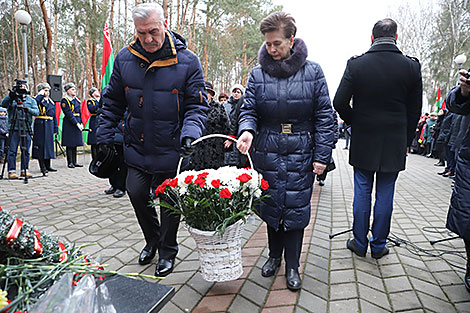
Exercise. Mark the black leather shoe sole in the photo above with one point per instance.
(383, 252)
(351, 245)
(269, 268)
(78, 165)
(164, 267)
(51, 169)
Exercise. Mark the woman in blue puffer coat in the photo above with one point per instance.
(458, 217)
(288, 110)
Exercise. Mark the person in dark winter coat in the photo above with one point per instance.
(288, 110)
(233, 157)
(439, 151)
(20, 108)
(92, 106)
(382, 129)
(160, 82)
(458, 217)
(72, 126)
(210, 153)
(3, 132)
(455, 141)
(443, 139)
(429, 134)
(45, 127)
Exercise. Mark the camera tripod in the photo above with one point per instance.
(23, 130)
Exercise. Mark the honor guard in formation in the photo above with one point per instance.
(45, 126)
(72, 126)
(92, 105)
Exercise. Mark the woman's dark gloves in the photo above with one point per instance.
(186, 147)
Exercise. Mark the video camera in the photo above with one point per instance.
(19, 91)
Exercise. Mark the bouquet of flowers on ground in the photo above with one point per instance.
(211, 200)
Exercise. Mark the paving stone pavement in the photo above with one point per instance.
(71, 204)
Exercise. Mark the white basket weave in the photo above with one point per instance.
(220, 256)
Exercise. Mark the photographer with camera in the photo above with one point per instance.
(21, 109)
(458, 217)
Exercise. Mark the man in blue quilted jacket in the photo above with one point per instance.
(160, 82)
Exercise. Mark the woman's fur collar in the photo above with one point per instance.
(285, 67)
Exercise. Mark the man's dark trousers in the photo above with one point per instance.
(385, 189)
(162, 236)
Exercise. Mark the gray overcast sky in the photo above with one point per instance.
(335, 30)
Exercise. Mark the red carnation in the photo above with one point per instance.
(188, 179)
(202, 175)
(216, 183)
(244, 177)
(264, 184)
(225, 193)
(173, 183)
(201, 182)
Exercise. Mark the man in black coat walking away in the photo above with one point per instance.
(458, 217)
(386, 88)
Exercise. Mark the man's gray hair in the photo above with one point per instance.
(143, 10)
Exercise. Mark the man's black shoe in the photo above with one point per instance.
(448, 174)
(352, 245)
(293, 279)
(442, 173)
(50, 169)
(164, 267)
(270, 267)
(466, 279)
(78, 165)
(110, 191)
(146, 255)
(439, 164)
(381, 253)
(71, 165)
(118, 193)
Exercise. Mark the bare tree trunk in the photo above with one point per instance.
(88, 59)
(56, 31)
(6, 81)
(165, 8)
(118, 35)
(244, 78)
(16, 49)
(79, 58)
(93, 52)
(193, 26)
(111, 24)
(125, 23)
(33, 55)
(49, 36)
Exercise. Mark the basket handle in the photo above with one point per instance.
(178, 169)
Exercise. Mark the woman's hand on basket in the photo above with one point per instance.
(318, 168)
(244, 142)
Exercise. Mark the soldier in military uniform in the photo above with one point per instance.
(45, 126)
(92, 105)
(72, 125)
(386, 91)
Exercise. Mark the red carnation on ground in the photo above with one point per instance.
(202, 175)
(225, 193)
(188, 179)
(264, 184)
(173, 183)
(244, 177)
(216, 183)
(201, 182)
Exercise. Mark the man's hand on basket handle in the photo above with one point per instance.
(186, 147)
(244, 142)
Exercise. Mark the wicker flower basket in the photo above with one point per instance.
(220, 256)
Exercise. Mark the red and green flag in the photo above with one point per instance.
(108, 57)
(438, 99)
(85, 119)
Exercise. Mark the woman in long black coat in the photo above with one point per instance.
(45, 126)
(287, 108)
(210, 153)
(458, 217)
(92, 106)
(72, 124)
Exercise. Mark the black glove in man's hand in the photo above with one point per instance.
(103, 149)
(186, 147)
